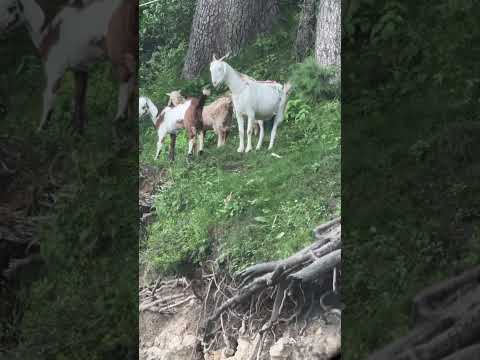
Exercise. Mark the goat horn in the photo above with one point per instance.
(214, 57)
(225, 56)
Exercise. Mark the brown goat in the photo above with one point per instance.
(192, 122)
(215, 116)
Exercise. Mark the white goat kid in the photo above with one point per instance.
(170, 121)
(256, 100)
(146, 106)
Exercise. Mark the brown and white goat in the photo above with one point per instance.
(193, 122)
(215, 116)
(80, 34)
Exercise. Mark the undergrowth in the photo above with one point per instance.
(82, 304)
(244, 208)
(409, 174)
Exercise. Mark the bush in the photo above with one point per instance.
(315, 82)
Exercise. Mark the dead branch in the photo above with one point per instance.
(315, 269)
(447, 323)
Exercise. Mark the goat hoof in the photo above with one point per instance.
(240, 150)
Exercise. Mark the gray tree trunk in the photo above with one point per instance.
(305, 40)
(328, 41)
(220, 26)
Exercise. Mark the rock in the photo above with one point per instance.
(282, 349)
(321, 344)
(244, 349)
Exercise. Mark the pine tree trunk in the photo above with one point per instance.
(220, 26)
(328, 42)
(305, 40)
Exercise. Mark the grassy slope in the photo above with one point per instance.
(410, 176)
(73, 307)
(245, 207)
(251, 207)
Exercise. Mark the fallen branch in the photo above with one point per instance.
(447, 323)
(315, 269)
(171, 306)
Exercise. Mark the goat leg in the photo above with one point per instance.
(201, 139)
(250, 124)
(262, 133)
(54, 79)
(171, 152)
(79, 116)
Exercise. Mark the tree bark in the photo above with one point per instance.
(220, 26)
(328, 41)
(305, 40)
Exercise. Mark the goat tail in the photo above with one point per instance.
(285, 93)
(286, 88)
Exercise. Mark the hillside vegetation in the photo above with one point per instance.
(82, 193)
(242, 208)
(409, 169)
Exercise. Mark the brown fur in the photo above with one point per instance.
(193, 118)
(159, 120)
(49, 40)
(217, 117)
(121, 39)
(120, 45)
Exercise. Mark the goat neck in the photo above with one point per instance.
(233, 80)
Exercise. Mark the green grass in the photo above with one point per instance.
(410, 176)
(82, 305)
(244, 208)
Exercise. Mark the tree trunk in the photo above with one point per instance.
(328, 42)
(220, 26)
(305, 40)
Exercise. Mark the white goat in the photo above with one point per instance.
(169, 121)
(258, 100)
(146, 106)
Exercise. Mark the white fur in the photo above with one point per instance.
(258, 101)
(146, 106)
(172, 123)
(74, 49)
(10, 15)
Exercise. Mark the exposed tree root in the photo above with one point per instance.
(291, 287)
(447, 323)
